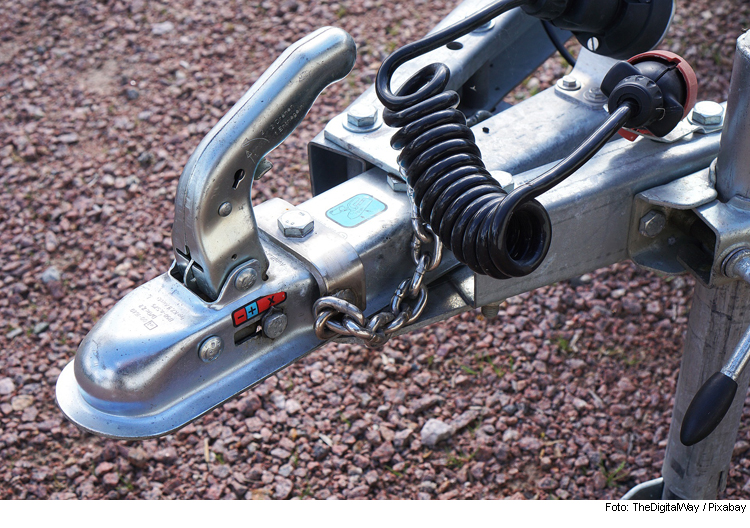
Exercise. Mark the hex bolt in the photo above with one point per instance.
(708, 113)
(652, 223)
(211, 348)
(225, 209)
(245, 279)
(569, 83)
(296, 224)
(490, 311)
(362, 115)
(595, 95)
(274, 324)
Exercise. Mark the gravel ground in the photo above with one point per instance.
(567, 394)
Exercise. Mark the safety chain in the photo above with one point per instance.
(335, 316)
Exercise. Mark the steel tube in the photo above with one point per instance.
(718, 319)
(733, 165)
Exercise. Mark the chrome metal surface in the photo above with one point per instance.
(569, 83)
(674, 248)
(734, 160)
(138, 373)
(591, 211)
(326, 254)
(537, 131)
(211, 348)
(719, 315)
(708, 113)
(334, 317)
(246, 279)
(737, 265)
(362, 117)
(224, 164)
(487, 66)
(396, 183)
(296, 224)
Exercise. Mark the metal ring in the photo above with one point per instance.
(398, 323)
(421, 304)
(416, 280)
(340, 306)
(399, 296)
(379, 320)
(356, 330)
(436, 254)
(320, 325)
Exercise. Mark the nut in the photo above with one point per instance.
(362, 115)
(569, 83)
(211, 348)
(652, 223)
(708, 113)
(296, 224)
(274, 324)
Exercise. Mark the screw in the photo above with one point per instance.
(274, 324)
(245, 279)
(569, 83)
(211, 348)
(296, 224)
(225, 209)
(652, 223)
(592, 44)
(708, 113)
(490, 311)
(595, 95)
(362, 115)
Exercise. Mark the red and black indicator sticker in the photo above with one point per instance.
(256, 307)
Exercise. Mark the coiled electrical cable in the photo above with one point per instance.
(494, 233)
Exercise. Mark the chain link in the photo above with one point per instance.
(337, 317)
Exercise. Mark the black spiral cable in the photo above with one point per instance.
(494, 233)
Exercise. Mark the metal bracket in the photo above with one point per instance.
(333, 262)
(681, 226)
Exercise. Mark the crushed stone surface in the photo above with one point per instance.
(567, 394)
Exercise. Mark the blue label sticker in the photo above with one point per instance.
(355, 210)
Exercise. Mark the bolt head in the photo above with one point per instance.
(274, 325)
(211, 348)
(225, 209)
(245, 279)
(362, 115)
(569, 83)
(296, 224)
(652, 223)
(708, 113)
